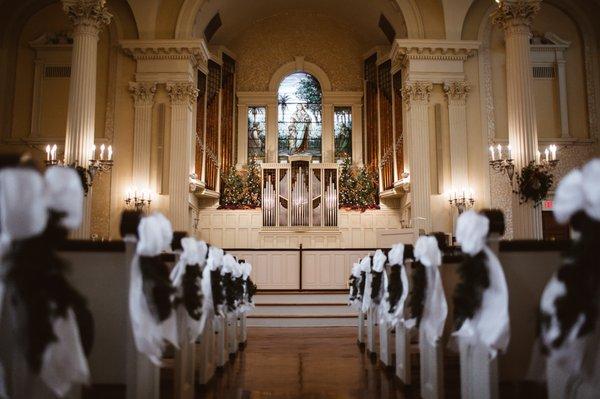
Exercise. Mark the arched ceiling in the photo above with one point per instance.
(360, 16)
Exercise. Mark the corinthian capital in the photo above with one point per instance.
(182, 92)
(457, 90)
(417, 91)
(515, 12)
(91, 13)
(142, 92)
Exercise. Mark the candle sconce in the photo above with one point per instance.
(461, 201)
(139, 200)
(103, 164)
(505, 164)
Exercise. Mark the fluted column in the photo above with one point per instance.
(143, 97)
(456, 93)
(183, 97)
(416, 95)
(515, 17)
(88, 17)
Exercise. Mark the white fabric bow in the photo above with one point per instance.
(435, 309)
(215, 258)
(490, 325)
(194, 253)
(379, 260)
(155, 236)
(365, 266)
(64, 193)
(591, 188)
(229, 265)
(396, 259)
(569, 198)
(246, 270)
(396, 254)
(471, 232)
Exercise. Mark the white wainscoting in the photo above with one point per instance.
(273, 269)
(243, 229)
(328, 269)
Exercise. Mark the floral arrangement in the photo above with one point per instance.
(533, 183)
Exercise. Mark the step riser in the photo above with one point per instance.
(301, 298)
(303, 310)
(305, 322)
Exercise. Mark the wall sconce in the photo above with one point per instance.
(461, 200)
(504, 164)
(140, 200)
(95, 167)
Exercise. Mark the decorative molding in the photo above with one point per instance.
(194, 50)
(417, 91)
(512, 14)
(89, 13)
(142, 92)
(457, 90)
(299, 65)
(425, 49)
(182, 92)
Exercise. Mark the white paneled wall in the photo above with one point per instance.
(273, 269)
(242, 229)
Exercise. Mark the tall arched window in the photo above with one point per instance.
(300, 112)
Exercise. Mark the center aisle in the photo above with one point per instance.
(303, 363)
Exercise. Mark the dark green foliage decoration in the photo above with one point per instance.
(533, 183)
(252, 186)
(241, 189)
(358, 187)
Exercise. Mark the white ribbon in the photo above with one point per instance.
(435, 309)
(365, 266)
(215, 258)
(63, 362)
(471, 232)
(64, 193)
(569, 197)
(591, 188)
(247, 304)
(246, 270)
(155, 236)
(356, 274)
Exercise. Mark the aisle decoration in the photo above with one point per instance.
(151, 293)
(395, 287)
(49, 329)
(355, 294)
(249, 288)
(231, 276)
(365, 267)
(481, 298)
(569, 306)
(214, 284)
(186, 278)
(428, 303)
(377, 265)
(533, 183)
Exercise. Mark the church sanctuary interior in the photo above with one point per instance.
(337, 199)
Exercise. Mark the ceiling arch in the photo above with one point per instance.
(360, 15)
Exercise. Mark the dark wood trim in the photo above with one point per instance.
(92, 246)
(452, 258)
(533, 246)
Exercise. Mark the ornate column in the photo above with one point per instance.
(515, 17)
(456, 93)
(183, 98)
(143, 97)
(88, 17)
(416, 95)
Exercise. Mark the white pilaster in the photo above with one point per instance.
(456, 93)
(515, 17)
(416, 95)
(143, 97)
(88, 17)
(183, 97)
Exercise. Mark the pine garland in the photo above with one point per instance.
(469, 292)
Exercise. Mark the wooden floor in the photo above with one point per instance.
(306, 363)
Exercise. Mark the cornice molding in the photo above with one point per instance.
(426, 49)
(194, 50)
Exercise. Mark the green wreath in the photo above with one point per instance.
(533, 183)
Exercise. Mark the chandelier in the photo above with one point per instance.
(140, 200)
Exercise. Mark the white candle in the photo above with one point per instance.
(53, 153)
(102, 148)
(492, 153)
(499, 151)
(110, 152)
(48, 152)
(537, 156)
(509, 152)
(93, 157)
(553, 149)
(546, 152)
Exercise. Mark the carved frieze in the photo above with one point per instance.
(87, 13)
(515, 13)
(418, 91)
(142, 92)
(182, 93)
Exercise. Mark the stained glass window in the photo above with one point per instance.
(300, 116)
(256, 132)
(342, 130)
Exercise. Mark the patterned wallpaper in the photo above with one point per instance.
(274, 41)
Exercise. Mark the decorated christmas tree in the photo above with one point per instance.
(346, 182)
(252, 185)
(232, 189)
(358, 187)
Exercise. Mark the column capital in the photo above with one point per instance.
(457, 90)
(515, 13)
(417, 91)
(182, 93)
(142, 92)
(87, 13)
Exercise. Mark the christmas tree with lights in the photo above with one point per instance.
(252, 185)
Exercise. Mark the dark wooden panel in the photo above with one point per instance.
(212, 124)
(200, 117)
(371, 125)
(384, 72)
(227, 112)
(399, 136)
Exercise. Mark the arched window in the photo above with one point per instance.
(300, 112)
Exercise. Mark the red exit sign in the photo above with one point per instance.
(547, 205)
